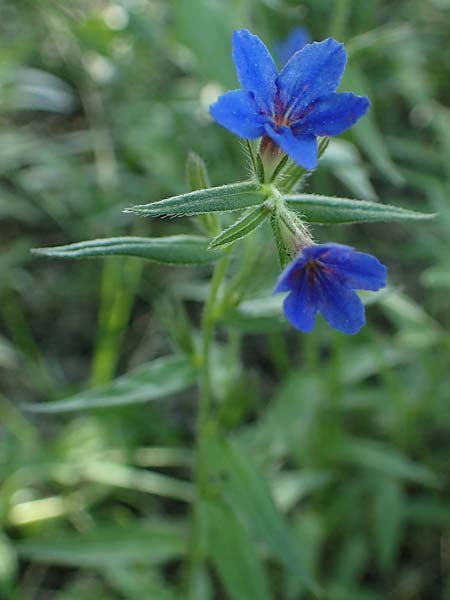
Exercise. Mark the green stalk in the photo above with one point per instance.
(339, 19)
(208, 324)
(205, 428)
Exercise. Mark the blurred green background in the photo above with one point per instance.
(100, 103)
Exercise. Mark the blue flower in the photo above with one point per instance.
(291, 108)
(322, 279)
(295, 41)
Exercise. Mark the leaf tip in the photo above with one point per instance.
(39, 251)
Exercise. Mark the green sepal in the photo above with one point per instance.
(331, 210)
(292, 175)
(279, 168)
(289, 230)
(260, 171)
(223, 198)
(175, 249)
(284, 254)
(241, 228)
(254, 161)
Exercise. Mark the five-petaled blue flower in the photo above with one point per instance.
(322, 279)
(297, 38)
(291, 108)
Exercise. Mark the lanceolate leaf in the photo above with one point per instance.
(327, 209)
(196, 172)
(248, 494)
(175, 249)
(241, 228)
(144, 542)
(366, 130)
(152, 381)
(217, 199)
(234, 555)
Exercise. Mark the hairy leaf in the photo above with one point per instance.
(241, 228)
(224, 198)
(327, 209)
(175, 249)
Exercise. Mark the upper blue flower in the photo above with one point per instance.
(322, 279)
(292, 107)
(297, 38)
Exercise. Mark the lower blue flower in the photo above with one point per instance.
(322, 278)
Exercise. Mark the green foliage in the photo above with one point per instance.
(152, 381)
(224, 198)
(139, 543)
(175, 249)
(330, 210)
(335, 468)
(242, 227)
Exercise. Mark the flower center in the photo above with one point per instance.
(312, 271)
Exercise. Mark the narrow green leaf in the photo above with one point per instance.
(381, 39)
(246, 491)
(8, 561)
(234, 556)
(198, 179)
(366, 131)
(327, 209)
(155, 380)
(196, 172)
(175, 249)
(388, 520)
(241, 228)
(388, 460)
(345, 162)
(224, 198)
(112, 474)
(144, 543)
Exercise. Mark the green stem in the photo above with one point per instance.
(208, 324)
(204, 429)
(339, 18)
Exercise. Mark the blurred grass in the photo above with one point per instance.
(101, 103)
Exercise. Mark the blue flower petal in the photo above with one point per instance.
(315, 251)
(356, 270)
(314, 71)
(300, 307)
(340, 306)
(333, 114)
(255, 68)
(237, 111)
(302, 149)
(322, 278)
(291, 274)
